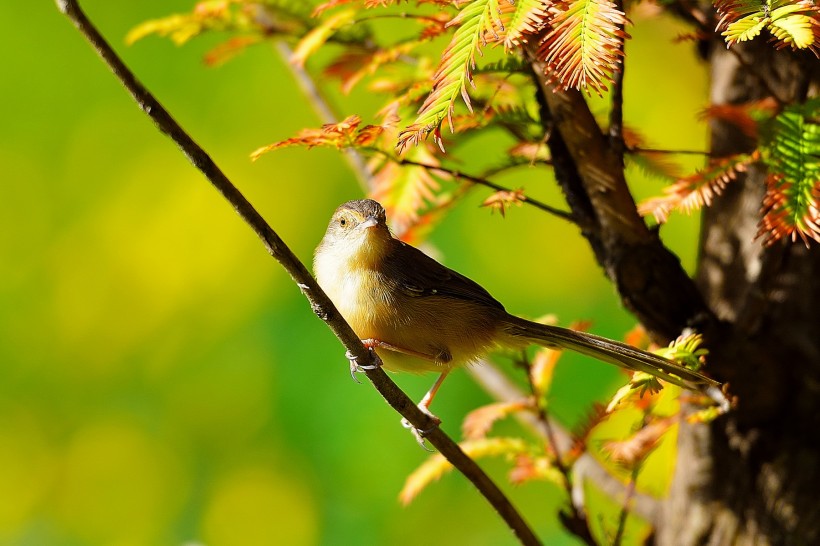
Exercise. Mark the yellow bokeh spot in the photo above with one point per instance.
(119, 486)
(259, 506)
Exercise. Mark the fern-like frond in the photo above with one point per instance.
(797, 26)
(345, 134)
(526, 18)
(454, 72)
(792, 23)
(697, 190)
(791, 151)
(583, 49)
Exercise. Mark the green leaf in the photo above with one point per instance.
(792, 23)
(790, 149)
(478, 18)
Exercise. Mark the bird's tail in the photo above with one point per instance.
(612, 352)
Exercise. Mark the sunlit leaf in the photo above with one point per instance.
(503, 199)
(231, 48)
(437, 465)
(454, 72)
(745, 116)
(792, 23)
(345, 134)
(354, 64)
(584, 47)
(582, 431)
(210, 15)
(524, 18)
(686, 349)
(528, 468)
(698, 190)
(652, 163)
(478, 422)
(531, 151)
(316, 38)
(791, 151)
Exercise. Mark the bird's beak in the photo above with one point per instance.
(369, 223)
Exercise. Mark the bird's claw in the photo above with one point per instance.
(355, 367)
(419, 434)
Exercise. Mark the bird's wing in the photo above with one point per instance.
(418, 275)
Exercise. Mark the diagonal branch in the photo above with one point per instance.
(649, 278)
(319, 301)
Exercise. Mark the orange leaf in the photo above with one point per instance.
(478, 422)
(343, 134)
(584, 46)
(229, 49)
(697, 190)
(528, 468)
(633, 451)
(503, 199)
(741, 115)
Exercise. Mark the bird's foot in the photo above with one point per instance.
(419, 434)
(355, 367)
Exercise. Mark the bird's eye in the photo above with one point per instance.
(342, 222)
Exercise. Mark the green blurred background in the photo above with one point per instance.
(164, 382)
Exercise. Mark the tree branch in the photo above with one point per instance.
(649, 278)
(319, 301)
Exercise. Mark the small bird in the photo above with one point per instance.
(421, 316)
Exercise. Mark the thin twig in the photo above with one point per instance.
(639, 149)
(616, 112)
(624, 513)
(484, 182)
(319, 301)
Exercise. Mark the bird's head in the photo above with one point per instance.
(358, 229)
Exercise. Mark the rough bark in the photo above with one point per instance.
(753, 476)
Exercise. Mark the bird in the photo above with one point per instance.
(421, 316)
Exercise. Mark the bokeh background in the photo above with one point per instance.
(162, 381)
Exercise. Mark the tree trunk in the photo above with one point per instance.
(753, 476)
